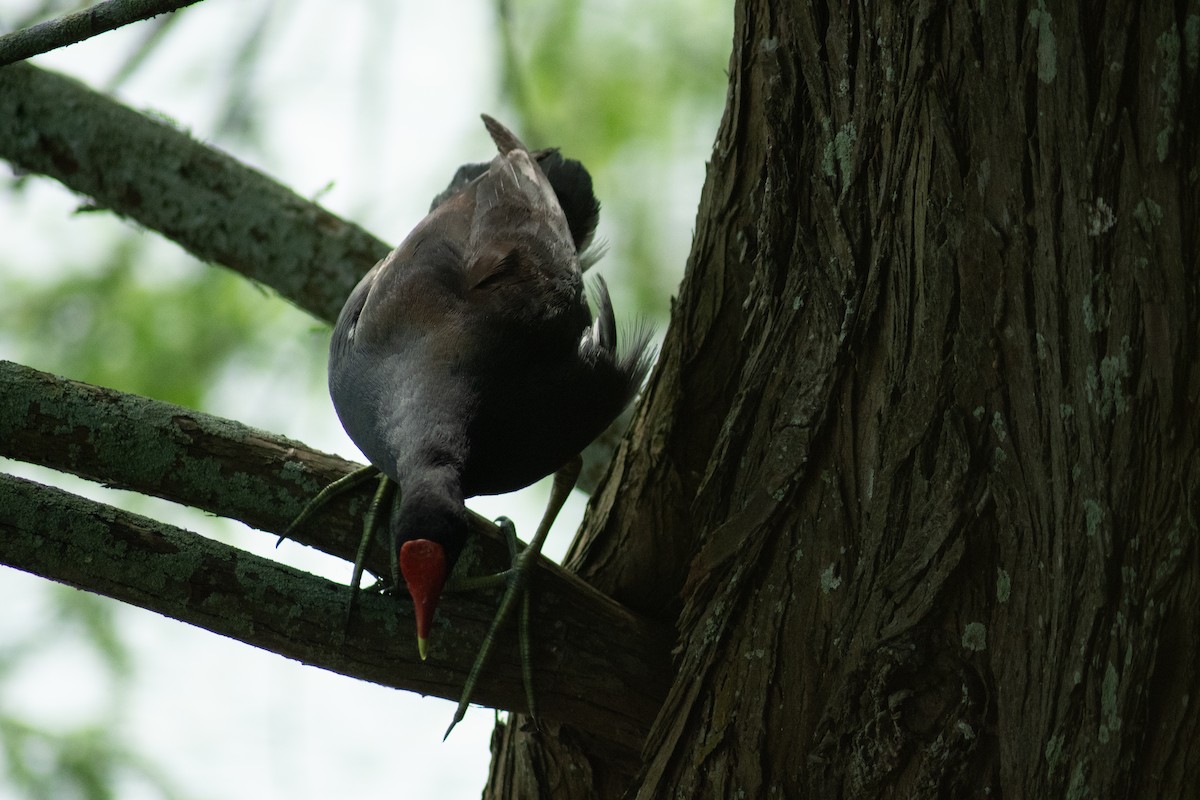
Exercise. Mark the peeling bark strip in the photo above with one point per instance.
(598, 665)
(919, 466)
(157, 175)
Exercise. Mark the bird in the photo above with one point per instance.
(468, 362)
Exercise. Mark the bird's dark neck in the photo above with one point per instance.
(430, 485)
(431, 507)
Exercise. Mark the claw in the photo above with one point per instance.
(517, 578)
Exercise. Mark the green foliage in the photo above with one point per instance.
(634, 90)
(167, 336)
(86, 760)
(617, 74)
(88, 763)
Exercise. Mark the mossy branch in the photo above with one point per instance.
(206, 201)
(599, 666)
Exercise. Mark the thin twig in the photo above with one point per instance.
(79, 25)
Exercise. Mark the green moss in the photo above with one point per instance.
(1110, 719)
(1090, 322)
(998, 426)
(1047, 46)
(1167, 65)
(1094, 515)
(1105, 386)
(1003, 585)
(1077, 790)
(1191, 42)
(836, 159)
(1053, 751)
(1148, 214)
(974, 637)
(829, 581)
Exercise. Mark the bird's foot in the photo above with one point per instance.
(515, 581)
(383, 495)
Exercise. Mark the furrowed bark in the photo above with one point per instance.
(922, 442)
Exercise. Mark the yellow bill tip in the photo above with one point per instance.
(423, 647)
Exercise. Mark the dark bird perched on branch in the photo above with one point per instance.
(467, 362)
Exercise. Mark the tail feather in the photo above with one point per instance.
(632, 361)
(638, 356)
(604, 327)
(573, 186)
(570, 180)
(506, 141)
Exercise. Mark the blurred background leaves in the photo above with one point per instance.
(634, 90)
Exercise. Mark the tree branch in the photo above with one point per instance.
(599, 666)
(80, 25)
(160, 449)
(206, 201)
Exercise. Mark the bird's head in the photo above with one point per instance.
(428, 534)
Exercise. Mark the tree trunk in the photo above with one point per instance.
(916, 477)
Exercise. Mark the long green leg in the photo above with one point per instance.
(342, 484)
(383, 496)
(382, 499)
(523, 645)
(517, 579)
